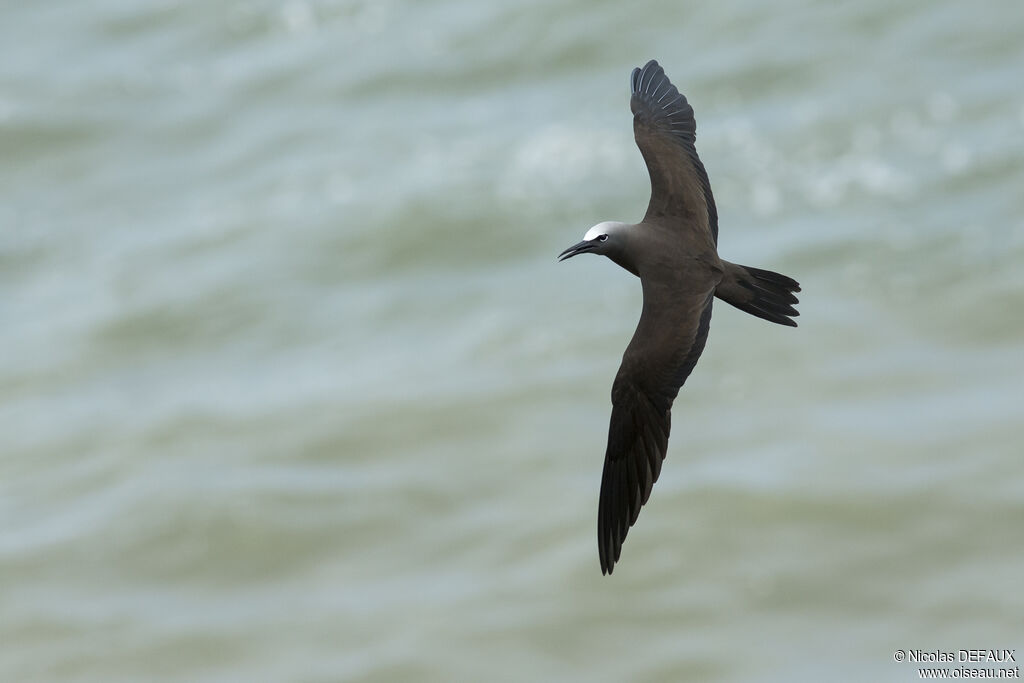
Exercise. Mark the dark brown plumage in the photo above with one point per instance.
(673, 251)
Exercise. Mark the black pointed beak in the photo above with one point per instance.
(578, 248)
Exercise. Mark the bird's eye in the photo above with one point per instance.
(602, 238)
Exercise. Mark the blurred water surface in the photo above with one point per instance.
(292, 388)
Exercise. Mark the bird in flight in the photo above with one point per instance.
(674, 252)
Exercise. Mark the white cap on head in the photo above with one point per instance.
(600, 229)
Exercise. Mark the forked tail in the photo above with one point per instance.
(759, 292)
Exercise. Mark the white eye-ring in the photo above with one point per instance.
(602, 238)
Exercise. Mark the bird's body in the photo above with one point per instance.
(674, 252)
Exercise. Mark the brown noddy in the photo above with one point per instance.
(674, 252)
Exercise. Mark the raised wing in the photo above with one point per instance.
(654, 367)
(665, 132)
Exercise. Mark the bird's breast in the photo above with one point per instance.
(683, 273)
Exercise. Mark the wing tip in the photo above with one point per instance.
(656, 99)
(609, 554)
(609, 534)
(641, 72)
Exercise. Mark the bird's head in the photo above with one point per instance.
(604, 239)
